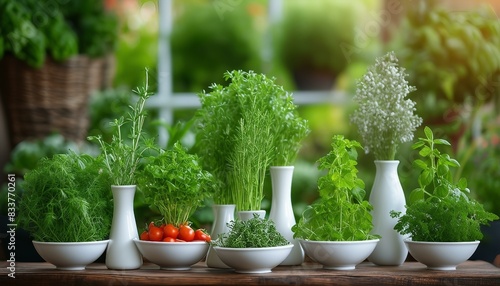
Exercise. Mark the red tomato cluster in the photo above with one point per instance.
(171, 233)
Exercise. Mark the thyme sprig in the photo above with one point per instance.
(255, 232)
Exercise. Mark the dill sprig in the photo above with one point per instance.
(66, 199)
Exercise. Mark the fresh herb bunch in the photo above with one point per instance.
(384, 116)
(253, 233)
(341, 213)
(122, 157)
(244, 128)
(289, 128)
(439, 209)
(66, 199)
(175, 184)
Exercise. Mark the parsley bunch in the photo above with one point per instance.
(341, 213)
(175, 184)
(255, 232)
(439, 209)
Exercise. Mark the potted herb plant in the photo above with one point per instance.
(245, 127)
(66, 207)
(241, 129)
(291, 129)
(442, 220)
(55, 53)
(336, 230)
(121, 161)
(175, 185)
(385, 119)
(252, 246)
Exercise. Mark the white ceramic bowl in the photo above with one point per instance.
(441, 255)
(173, 255)
(253, 260)
(339, 255)
(71, 255)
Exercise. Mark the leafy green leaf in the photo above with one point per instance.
(416, 195)
(441, 142)
(428, 133)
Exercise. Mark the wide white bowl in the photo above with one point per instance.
(339, 255)
(441, 255)
(253, 260)
(173, 255)
(71, 255)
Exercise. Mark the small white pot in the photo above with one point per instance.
(253, 260)
(441, 255)
(339, 255)
(71, 255)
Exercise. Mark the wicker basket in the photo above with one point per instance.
(51, 99)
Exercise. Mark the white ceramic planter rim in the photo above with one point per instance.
(442, 242)
(72, 243)
(340, 241)
(253, 248)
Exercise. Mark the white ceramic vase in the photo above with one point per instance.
(387, 195)
(122, 253)
(246, 215)
(282, 212)
(223, 214)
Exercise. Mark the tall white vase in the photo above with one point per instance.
(282, 212)
(387, 195)
(122, 253)
(223, 214)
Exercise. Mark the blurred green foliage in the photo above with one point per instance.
(206, 43)
(452, 57)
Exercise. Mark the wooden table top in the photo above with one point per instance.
(309, 273)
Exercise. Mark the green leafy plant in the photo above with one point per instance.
(243, 128)
(384, 115)
(66, 199)
(31, 29)
(341, 213)
(123, 157)
(252, 233)
(440, 209)
(175, 184)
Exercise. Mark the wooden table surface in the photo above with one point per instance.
(309, 273)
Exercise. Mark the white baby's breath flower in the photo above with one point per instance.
(384, 116)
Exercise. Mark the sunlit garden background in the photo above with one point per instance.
(450, 49)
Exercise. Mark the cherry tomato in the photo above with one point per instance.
(144, 235)
(186, 233)
(155, 233)
(169, 239)
(170, 230)
(179, 240)
(200, 234)
(151, 224)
